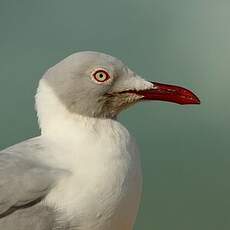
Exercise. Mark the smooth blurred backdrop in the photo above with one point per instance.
(185, 150)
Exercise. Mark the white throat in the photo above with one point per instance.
(56, 121)
(103, 159)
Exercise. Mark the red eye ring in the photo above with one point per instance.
(101, 75)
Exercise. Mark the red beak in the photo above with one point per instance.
(170, 93)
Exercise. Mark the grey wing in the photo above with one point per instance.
(23, 182)
(37, 217)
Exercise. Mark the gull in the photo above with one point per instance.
(83, 172)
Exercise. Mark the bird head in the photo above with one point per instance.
(94, 84)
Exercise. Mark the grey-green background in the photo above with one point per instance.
(185, 150)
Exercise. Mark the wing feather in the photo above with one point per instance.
(23, 180)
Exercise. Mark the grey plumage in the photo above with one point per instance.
(79, 94)
(36, 217)
(24, 182)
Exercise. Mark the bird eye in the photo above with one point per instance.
(100, 75)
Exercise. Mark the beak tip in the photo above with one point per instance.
(194, 100)
(198, 101)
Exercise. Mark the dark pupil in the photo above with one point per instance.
(101, 75)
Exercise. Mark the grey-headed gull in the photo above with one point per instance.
(83, 172)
